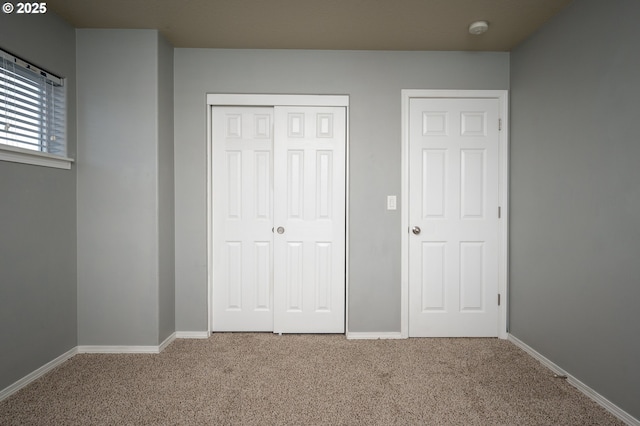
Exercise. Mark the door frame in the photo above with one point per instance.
(503, 197)
(268, 100)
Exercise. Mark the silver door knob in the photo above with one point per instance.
(280, 230)
(416, 230)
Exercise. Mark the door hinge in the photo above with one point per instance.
(499, 212)
(498, 299)
(499, 123)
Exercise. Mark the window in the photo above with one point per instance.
(32, 114)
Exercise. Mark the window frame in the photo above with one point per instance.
(15, 154)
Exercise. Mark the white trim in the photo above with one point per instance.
(543, 360)
(599, 399)
(167, 342)
(36, 374)
(192, 334)
(118, 349)
(209, 207)
(90, 349)
(127, 349)
(374, 335)
(228, 99)
(346, 220)
(502, 96)
(36, 158)
(269, 100)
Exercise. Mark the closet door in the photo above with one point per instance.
(279, 219)
(242, 219)
(309, 219)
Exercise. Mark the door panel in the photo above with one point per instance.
(243, 241)
(453, 200)
(309, 174)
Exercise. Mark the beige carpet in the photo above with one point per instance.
(265, 379)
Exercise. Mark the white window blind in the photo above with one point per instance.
(32, 107)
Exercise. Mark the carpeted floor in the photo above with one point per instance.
(265, 379)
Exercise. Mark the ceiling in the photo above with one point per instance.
(320, 24)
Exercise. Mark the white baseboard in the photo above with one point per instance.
(355, 335)
(11, 389)
(167, 342)
(601, 400)
(85, 349)
(192, 334)
(117, 349)
(124, 349)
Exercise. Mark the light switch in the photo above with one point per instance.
(391, 202)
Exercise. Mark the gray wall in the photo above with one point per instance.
(122, 142)
(166, 228)
(374, 81)
(37, 221)
(575, 196)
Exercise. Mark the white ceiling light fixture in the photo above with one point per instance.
(478, 27)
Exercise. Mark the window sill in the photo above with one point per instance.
(36, 158)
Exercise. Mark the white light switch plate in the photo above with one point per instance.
(391, 202)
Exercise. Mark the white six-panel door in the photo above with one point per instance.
(242, 219)
(453, 217)
(309, 211)
(279, 219)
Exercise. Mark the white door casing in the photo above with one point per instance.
(252, 267)
(454, 266)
